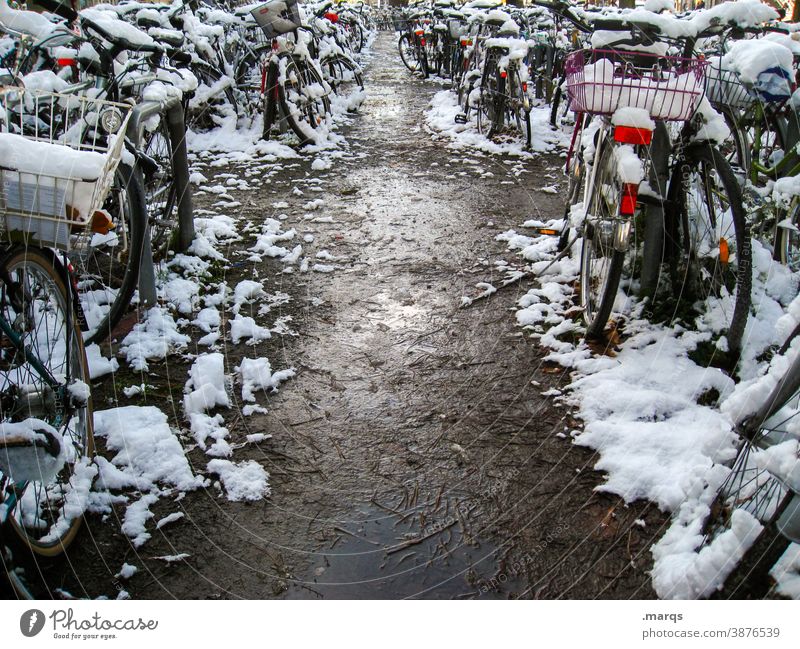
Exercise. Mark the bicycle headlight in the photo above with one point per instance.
(111, 120)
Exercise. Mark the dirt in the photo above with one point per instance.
(414, 454)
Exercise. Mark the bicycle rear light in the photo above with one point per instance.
(632, 135)
(627, 204)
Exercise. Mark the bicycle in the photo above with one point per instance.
(758, 503)
(691, 220)
(46, 440)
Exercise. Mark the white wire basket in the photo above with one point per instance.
(278, 17)
(58, 157)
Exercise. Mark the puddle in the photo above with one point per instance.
(408, 554)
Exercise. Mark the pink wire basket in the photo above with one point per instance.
(667, 87)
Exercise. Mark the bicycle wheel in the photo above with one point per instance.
(344, 76)
(39, 307)
(355, 35)
(712, 274)
(304, 99)
(160, 189)
(213, 100)
(751, 496)
(601, 262)
(249, 77)
(491, 109)
(107, 266)
(408, 52)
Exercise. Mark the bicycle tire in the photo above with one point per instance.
(700, 273)
(304, 116)
(160, 188)
(345, 78)
(787, 239)
(408, 52)
(599, 285)
(28, 520)
(107, 273)
(213, 111)
(249, 78)
(754, 490)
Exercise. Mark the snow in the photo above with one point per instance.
(147, 457)
(28, 22)
(245, 481)
(635, 117)
(256, 374)
(152, 339)
(205, 388)
(30, 156)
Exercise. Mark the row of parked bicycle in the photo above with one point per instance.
(683, 150)
(94, 188)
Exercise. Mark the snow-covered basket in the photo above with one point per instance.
(277, 17)
(723, 88)
(667, 87)
(58, 157)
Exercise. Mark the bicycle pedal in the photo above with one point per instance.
(461, 118)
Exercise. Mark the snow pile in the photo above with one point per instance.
(152, 339)
(148, 458)
(650, 410)
(441, 119)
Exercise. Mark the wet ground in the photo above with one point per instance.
(414, 454)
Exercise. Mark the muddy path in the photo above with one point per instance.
(414, 454)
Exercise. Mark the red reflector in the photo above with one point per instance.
(329, 15)
(65, 63)
(524, 87)
(422, 41)
(419, 32)
(503, 74)
(632, 135)
(627, 206)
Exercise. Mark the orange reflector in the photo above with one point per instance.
(724, 251)
(548, 231)
(419, 32)
(632, 135)
(102, 222)
(627, 204)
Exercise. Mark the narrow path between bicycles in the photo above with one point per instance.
(418, 450)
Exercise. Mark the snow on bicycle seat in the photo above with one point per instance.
(31, 450)
(25, 22)
(117, 32)
(172, 38)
